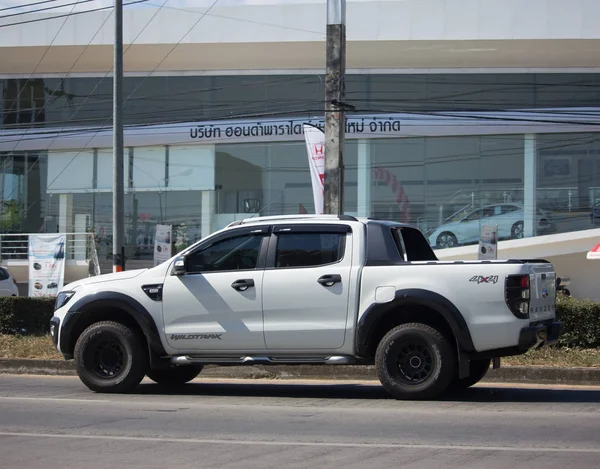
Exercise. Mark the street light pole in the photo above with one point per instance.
(335, 122)
(118, 157)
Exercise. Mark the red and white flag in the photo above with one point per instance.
(594, 253)
(315, 144)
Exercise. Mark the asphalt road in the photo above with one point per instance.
(56, 422)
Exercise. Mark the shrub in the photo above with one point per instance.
(25, 316)
(581, 319)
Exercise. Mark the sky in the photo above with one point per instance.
(67, 5)
(25, 5)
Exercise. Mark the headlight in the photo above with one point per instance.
(62, 299)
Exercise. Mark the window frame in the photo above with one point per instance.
(468, 219)
(283, 230)
(262, 231)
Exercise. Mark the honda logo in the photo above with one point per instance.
(319, 150)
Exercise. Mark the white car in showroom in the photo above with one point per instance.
(8, 284)
(507, 216)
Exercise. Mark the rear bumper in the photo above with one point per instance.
(530, 338)
(540, 335)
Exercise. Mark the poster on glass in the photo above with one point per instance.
(488, 242)
(46, 264)
(162, 244)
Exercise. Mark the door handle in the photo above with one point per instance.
(330, 280)
(242, 285)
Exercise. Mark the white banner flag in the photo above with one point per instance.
(46, 264)
(162, 244)
(315, 144)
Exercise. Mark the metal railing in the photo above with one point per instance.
(79, 246)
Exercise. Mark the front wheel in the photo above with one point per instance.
(110, 357)
(415, 361)
(174, 376)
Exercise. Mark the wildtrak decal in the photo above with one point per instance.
(195, 336)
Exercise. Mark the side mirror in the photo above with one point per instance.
(179, 266)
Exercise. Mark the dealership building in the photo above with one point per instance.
(463, 113)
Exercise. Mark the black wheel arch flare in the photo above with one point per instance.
(108, 300)
(407, 298)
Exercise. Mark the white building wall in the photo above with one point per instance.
(287, 35)
(297, 21)
(566, 251)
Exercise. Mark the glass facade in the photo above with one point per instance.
(88, 101)
(445, 182)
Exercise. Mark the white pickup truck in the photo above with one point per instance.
(319, 290)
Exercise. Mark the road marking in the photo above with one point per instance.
(59, 399)
(196, 441)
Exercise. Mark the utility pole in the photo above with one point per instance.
(335, 122)
(118, 159)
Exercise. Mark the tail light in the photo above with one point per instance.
(517, 293)
(15, 281)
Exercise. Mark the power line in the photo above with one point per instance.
(158, 65)
(67, 15)
(403, 104)
(38, 10)
(27, 5)
(504, 118)
(243, 20)
(76, 61)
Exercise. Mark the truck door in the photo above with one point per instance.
(217, 304)
(306, 286)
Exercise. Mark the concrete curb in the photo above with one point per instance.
(506, 374)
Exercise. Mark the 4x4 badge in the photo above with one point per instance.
(478, 279)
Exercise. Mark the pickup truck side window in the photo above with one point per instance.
(238, 253)
(309, 249)
(417, 247)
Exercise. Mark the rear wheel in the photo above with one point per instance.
(110, 357)
(415, 361)
(477, 371)
(174, 376)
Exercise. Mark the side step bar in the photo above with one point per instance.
(333, 360)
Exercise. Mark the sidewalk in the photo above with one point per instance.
(506, 374)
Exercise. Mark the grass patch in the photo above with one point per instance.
(14, 346)
(557, 357)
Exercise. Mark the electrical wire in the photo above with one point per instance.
(401, 104)
(76, 61)
(39, 10)
(27, 5)
(244, 20)
(142, 81)
(68, 15)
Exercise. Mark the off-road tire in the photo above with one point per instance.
(174, 376)
(478, 370)
(415, 361)
(110, 357)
